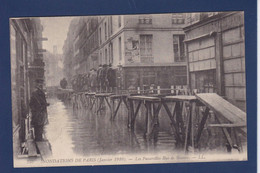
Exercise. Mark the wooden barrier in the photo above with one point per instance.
(182, 116)
(224, 112)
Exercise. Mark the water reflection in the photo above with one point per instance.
(82, 132)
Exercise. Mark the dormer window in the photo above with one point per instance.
(145, 19)
(178, 18)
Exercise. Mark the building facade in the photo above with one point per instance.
(148, 49)
(68, 53)
(85, 45)
(216, 55)
(26, 66)
(80, 51)
(53, 65)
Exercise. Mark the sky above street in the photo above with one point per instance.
(55, 29)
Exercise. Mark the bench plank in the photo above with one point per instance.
(180, 98)
(104, 94)
(44, 148)
(227, 125)
(223, 107)
(144, 98)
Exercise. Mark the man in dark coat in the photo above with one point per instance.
(111, 78)
(93, 80)
(104, 82)
(63, 83)
(38, 106)
(99, 78)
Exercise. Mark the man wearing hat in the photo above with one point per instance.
(99, 78)
(38, 106)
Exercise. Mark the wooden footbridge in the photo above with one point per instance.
(183, 111)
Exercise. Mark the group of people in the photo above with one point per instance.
(102, 79)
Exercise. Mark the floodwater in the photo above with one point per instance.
(74, 131)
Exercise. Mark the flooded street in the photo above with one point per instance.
(128, 89)
(82, 132)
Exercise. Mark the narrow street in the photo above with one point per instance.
(83, 133)
(170, 84)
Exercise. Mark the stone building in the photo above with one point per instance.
(215, 45)
(85, 45)
(68, 53)
(53, 68)
(146, 49)
(80, 51)
(26, 66)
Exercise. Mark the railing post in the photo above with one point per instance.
(158, 90)
(151, 89)
(195, 91)
(177, 90)
(138, 90)
(172, 89)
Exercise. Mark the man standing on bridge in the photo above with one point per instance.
(38, 106)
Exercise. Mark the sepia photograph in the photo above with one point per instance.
(128, 89)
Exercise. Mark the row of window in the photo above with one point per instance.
(143, 19)
(176, 19)
(108, 54)
(146, 49)
(108, 29)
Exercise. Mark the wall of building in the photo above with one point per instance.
(85, 42)
(233, 48)
(68, 52)
(145, 76)
(162, 46)
(116, 55)
(162, 21)
(117, 23)
(163, 28)
(53, 69)
(216, 55)
(25, 36)
(134, 31)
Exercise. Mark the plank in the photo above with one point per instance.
(222, 107)
(115, 96)
(180, 98)
(32, 151)
(90, 94)
(227, 125)
(103, 94)
(144, 98)
(44, 148)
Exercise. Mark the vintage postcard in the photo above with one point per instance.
(128, 89)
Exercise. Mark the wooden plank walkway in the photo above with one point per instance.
(180, 98)
(223, 107)
(101, 98)
(182, 115)
(184, 131)
(225, 110)
(145, 98)
(121, 98)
